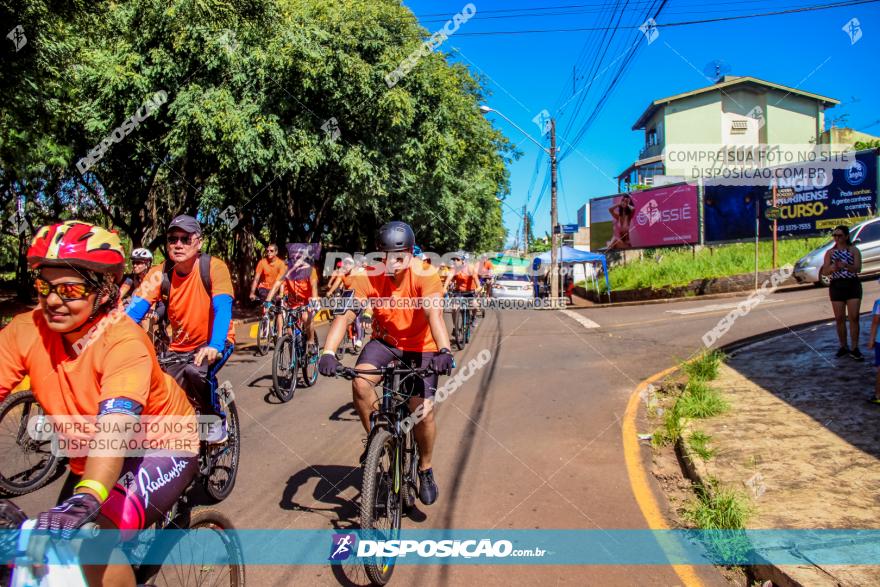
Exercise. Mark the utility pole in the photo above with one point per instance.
(554, 268)
(525, 231)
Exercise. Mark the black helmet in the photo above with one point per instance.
(396, 236)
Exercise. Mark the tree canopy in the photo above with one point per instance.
(276, 125)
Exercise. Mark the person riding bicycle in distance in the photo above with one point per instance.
(197, 291)
(416, 336)
(300, 282)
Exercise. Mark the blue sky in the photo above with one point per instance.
(527, 73)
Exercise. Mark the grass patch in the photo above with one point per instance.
(699, 400)
(705, 366)
(718, 508)
(670, 431)
(699, 444)
(677, 266)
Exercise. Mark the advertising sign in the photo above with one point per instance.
(301, 257)
(807, 206)
(659, 217)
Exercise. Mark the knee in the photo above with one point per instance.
(361, 389)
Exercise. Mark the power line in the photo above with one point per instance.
(674, 24)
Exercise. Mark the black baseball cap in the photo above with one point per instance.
(186, 223)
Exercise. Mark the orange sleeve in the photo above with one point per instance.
(13, 367)
(126, 369)
(145, 291)
(429, 285)
(221, 281)
(361, 285)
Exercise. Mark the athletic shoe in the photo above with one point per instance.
(857, 355)
(842, 352)
(427, 488)
(357, 345)
(217, 433)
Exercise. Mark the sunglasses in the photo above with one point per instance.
(184, 240)
(140, 262)
(68, 292)
(837, 234)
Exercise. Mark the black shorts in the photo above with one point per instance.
(262, 293)
(381, 354)
(848, 288)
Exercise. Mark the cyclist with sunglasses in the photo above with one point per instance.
(199, 309)
(95, 375)
(415, 336)
(268, 270)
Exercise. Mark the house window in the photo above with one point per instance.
(739, 127)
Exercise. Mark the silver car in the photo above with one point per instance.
(513, 286)
(865, 236)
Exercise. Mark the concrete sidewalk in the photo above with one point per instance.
(802, 441)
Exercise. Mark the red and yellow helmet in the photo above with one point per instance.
(78, 244)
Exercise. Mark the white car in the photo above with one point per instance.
(866, 238)
(513, 286)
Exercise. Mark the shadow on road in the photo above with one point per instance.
(345, 413)
(333, 481)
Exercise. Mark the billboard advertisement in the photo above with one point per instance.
(660, 217)
(301, 257)
(808, 206)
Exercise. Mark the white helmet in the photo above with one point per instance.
(141, 254)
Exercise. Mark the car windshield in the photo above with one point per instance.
(513, 277)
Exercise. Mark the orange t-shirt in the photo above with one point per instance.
(404, 328)
(268, 273)
(349, 278)
(464, 280)
(189, 307)
(299, 291)
(119, 362)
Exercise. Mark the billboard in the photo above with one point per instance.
(808, 206)
(660, 217)
(301, 257)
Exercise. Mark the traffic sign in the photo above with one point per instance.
(772, 212)
(567, 228)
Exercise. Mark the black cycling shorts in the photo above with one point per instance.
(380, 354)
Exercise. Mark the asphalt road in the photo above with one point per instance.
(532, 440)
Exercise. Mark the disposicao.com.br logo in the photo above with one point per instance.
(344, 545)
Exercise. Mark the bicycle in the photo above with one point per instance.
(267, 329)
(26, 464)
(146, 546)
(461, 322)
(218, 462)
(390, 469)
(292, 354)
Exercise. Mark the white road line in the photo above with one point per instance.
(584, 321)
(715, 307)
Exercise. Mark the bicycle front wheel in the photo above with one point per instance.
(264, 332)
(222, 459)
(456, 328)
(26, 464)
(310, 362)
(380, 501)
(284, 367)
(218, 560)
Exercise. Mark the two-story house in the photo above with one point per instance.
(734, 111)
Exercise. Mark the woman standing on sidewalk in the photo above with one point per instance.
(843, 262)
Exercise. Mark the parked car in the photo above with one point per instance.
(513, 286)
(864, 235)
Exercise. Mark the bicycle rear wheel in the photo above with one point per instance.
(222, 459)
(219, 560)
(456, 328)
(25, 464)
(284, 367)
(380, 503)
(310, 362)
(264, 332)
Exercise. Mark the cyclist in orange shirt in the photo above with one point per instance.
(417, 337)
(463, 280)
(266, 274)
(197, 291)
(343, 278)
(300, 283)
(89, 364)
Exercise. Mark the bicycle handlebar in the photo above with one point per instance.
(350, 373)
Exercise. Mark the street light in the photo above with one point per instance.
(554, 269)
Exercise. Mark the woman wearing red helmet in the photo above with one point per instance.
(95, 375)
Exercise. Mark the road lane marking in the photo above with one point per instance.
(583, 320)
(714, 307)
(638, 477)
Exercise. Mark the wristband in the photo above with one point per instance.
(95, 486)
(326, 352)
(445, 351)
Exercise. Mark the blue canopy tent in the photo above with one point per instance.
(570, 255)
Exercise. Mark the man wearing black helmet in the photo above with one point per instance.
(417, 336)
